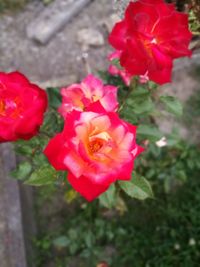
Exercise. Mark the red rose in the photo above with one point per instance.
(150, 36)
(96, 148)
(22, 106)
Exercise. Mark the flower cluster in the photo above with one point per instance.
(96, 147)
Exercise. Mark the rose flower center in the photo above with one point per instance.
(95, 146)
(147, 41)
(10, 107)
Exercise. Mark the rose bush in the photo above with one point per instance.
(90, 90)
(151, 35)
(96, 148)
(22, 107)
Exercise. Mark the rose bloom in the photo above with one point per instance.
(151, 35)
(95, 148)
(90, 90)
(22, 106)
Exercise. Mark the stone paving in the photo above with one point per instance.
(12, 249)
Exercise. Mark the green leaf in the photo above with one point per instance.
(23, 148)
(172, 104)
(140, 101)
(140, 91)
(143, 106)
(149, 132)
(116, 63)
(54, 97)
(61, 242)
(89, 239)
(42, 176)
(138, 188)
(152, 86)
(173, 138)
(23, 170)
(108, 199)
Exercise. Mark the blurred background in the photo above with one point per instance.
(52, 227)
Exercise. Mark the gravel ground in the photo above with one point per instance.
(59, 60)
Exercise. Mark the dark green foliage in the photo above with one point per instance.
(159, 232)
(54, 97)
(34, 168)
(138, 187)
(172, 104)
(170, 166)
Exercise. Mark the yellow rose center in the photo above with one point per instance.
(95, 146)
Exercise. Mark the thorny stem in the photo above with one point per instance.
(132, 86)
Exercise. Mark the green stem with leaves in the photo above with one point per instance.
(133, 85)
